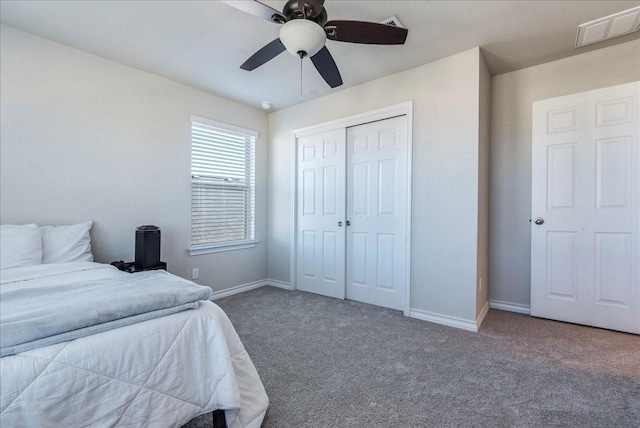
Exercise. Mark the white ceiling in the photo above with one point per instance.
(203, 43)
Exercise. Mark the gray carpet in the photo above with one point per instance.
(332, 363)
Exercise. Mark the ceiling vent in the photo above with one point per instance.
(393, 21)
(611, 26)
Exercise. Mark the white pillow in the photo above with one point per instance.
(63, 244)
(20, 246)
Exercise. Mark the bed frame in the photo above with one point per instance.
(219, 420)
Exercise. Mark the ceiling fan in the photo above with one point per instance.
(305, 30)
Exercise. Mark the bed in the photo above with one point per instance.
(84, 344)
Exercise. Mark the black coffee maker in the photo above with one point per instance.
(147, 246)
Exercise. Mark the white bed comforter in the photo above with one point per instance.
(157, 373)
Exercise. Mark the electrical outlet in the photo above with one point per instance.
(195, 273)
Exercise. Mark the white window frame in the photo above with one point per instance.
(213, 247)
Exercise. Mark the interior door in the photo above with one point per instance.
(320, 258)
(585, 250)
(377, 194)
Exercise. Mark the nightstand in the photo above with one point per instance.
(131, 266)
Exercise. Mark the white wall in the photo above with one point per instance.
(510, 167)
(445, 175)
(84, 138)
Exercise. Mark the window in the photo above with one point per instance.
(222, 186)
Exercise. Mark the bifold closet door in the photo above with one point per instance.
(351, 213)
(377, 169)
(320, 235)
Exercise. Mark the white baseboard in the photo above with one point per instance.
(511, 307)
(238, 289)
(481, 315)
(250, 286)
(444, 320)
(413, 313)
(278, 284)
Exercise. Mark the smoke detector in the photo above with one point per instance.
(611, 26)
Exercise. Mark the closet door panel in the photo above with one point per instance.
(377, 154)
(320, 241)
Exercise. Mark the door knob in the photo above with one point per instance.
(348, 223)
(538, 221)
(339, 224)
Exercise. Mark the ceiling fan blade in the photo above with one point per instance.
(258, 9)
(327, 67)
(266, 53)
(365, 32)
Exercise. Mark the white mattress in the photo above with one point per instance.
(157, 373)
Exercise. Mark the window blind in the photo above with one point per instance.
(222, 184)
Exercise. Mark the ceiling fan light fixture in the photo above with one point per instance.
(301, 35)
(305, 31)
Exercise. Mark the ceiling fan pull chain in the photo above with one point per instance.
(300, 79)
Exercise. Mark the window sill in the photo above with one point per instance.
(197, 250)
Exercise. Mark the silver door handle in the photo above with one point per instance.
(339, 224)
(348, 223)
(538, 221)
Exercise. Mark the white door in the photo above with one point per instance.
(354, 198)
(320, 259)
(377, 193)
(585, 230)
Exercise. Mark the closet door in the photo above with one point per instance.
(320, 237)
(377, 194)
